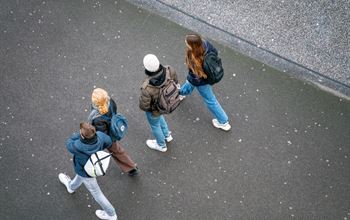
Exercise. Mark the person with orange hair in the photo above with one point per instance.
(102, 109)
(196, 49)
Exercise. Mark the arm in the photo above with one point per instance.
(173, 74)
(93, 114)
(145, 100)
(70, 142)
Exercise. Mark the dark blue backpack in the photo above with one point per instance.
(118, 127)
(213, 68)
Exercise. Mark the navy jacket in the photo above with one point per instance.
(191, 77)
(82, 149)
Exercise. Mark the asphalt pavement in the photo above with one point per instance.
(286, 157)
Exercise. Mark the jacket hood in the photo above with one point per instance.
(90, 146)
(158, 79)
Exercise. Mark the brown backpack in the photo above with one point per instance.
(168, 99)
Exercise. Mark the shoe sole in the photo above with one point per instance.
(158, 149)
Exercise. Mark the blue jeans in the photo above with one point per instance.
(92, 185)
(159, 127)
(209, 99)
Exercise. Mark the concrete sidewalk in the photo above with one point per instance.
(305, 39)
(286, 157)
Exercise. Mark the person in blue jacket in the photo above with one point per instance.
(196, 48)
(82, 145)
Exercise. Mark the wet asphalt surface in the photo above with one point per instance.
(286, 157)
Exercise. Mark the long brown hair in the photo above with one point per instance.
(195, 55)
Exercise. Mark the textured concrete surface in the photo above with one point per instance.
(306, 39)
(287, 156)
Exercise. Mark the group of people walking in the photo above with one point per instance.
(94, 134)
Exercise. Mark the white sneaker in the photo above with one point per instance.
(169, 138)
(154, 145)
(103, 215)
(225, 127)
(65, 179)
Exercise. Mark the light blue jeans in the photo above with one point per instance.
(159, 127)
(209, 99)
(92, 185)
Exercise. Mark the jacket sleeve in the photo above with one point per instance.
(70, 142)
(145, 100)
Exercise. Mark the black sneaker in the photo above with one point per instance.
(133, 172)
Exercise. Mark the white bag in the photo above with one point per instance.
(97, 164)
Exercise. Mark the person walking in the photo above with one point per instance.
(157, 76)
(196, 49)
(82, 145)
(102, 109)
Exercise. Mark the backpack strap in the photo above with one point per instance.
(167, 74)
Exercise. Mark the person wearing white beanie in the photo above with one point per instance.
(157, 76)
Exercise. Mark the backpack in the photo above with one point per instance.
(97, 164)
(213, 68)
(118, 127)
(168, 99)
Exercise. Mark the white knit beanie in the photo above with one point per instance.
(151, 63)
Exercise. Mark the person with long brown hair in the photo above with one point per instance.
(196, 49)
(102, 109)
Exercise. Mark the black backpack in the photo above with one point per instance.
(212, 66)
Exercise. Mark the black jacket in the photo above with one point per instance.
(102, 123)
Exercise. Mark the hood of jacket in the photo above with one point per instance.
(159, 78)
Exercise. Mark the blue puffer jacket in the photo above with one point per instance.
(82, 149)
(191, 77)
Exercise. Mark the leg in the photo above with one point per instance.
(154, 122)
(93, 187)
(121, 157)
(164, 126)
(76, 182)
(212, 103)
(186, 88)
